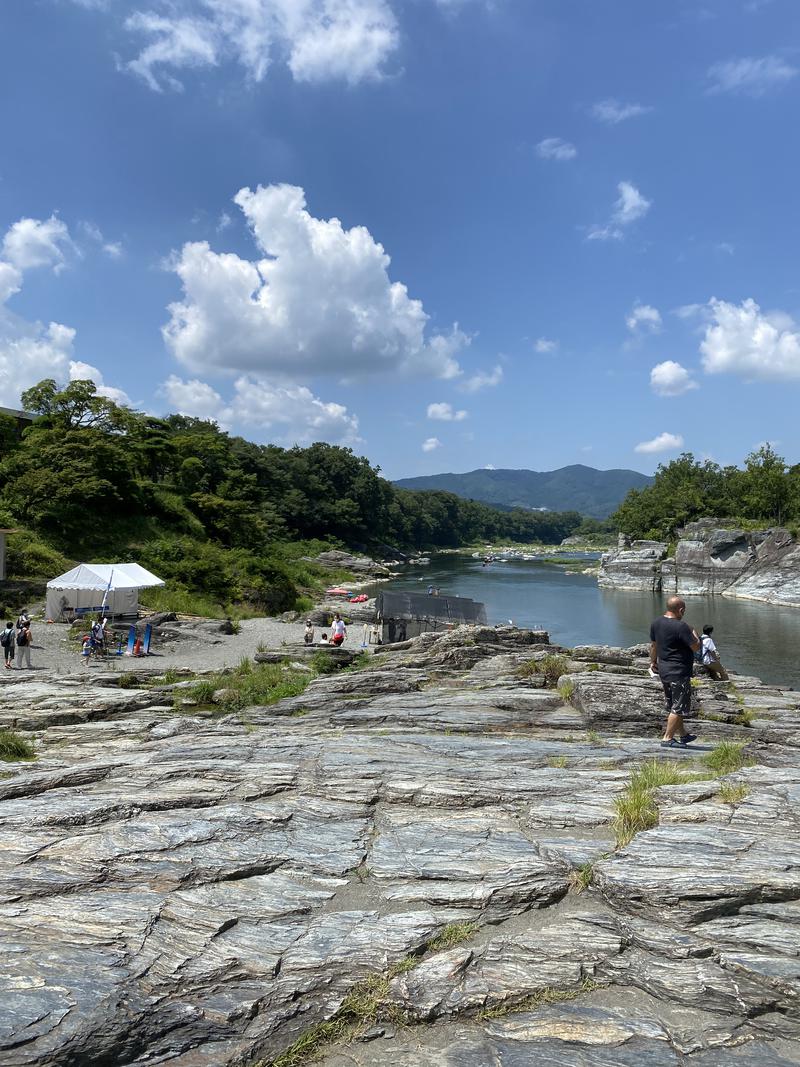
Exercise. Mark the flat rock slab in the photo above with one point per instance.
(204, 892)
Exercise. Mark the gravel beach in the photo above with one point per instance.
(54, 654)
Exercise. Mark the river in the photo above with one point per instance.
(753, 638)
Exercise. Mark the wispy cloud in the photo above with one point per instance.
(430, 444)
(556, 148)
(545, 345)
(483, 380)
(750, 76)
(614, 111)
(643, 319)
(629, 208)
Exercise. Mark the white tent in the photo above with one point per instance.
(90, 586)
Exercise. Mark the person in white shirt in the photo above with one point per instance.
(324, 640)
(308, 636)
(339, 630)
(711, 660)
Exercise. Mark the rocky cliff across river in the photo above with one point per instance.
(462, 854)
(751, 564)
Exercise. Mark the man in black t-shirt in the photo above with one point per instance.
(672, 646)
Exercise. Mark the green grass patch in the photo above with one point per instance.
(581, 877)
(363, 1005)
(566, 689)
(733, 792)
(14, 748)
(324, 663)
(636, 808)
(727, 757)
(551, 995)
(550, 667)
(248, 685)
(453, 934)
(557, 761)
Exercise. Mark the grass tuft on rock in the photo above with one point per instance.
(581, 877)
(550, 666)
(364, 1004)
(733, 792)
(14, 748)
(566, 689)
(636, 808)
(453, 934)
(727, 757)
(557, 761)
(550, 995)
(249, 685)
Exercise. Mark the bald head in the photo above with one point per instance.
(676, 606)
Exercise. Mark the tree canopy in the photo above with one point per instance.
(213, 511)
(765, 492)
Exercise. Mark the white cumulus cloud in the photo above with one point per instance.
(319, 300)
(289, 414)
(483, 380)
(665, 442)
(430, 444)
(644, 318)
(556, 148)
(671, 379)
(319, 40)
(35, 352)
(742, 339)
(32, 243)
(445, 413)
(750, 76)
(30, 351)
(79, 371)
(628, 208)
(613, 111)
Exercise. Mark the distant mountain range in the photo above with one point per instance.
(575, 488)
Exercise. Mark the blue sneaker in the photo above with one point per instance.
(673, 743)
(687, 739)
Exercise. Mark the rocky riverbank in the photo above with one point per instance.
(750, 564)
(459, 854)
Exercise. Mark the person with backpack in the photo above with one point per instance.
(24, 641)
(7, 640)
(708, 656)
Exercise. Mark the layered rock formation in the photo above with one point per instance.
(752, 564)
(392, 869)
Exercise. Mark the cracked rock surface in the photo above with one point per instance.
(198, 892)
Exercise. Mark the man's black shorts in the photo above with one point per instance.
(678, 695)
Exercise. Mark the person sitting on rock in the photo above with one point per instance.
(710, 656)
(308, 636)
(324, 640)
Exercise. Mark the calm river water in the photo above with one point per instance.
(758, 639)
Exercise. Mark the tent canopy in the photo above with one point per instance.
(103, 576)
(90, 587)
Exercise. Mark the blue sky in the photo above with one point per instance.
(452, 233)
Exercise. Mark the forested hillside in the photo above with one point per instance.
(575, 488)
(215, 515)
(765, 492)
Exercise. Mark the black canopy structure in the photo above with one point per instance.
(402, 615)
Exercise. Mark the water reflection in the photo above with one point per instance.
(753, 638)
